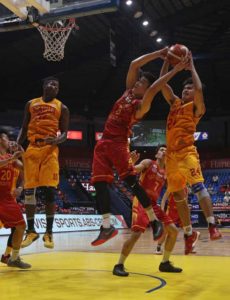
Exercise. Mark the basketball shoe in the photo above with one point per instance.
(214, 233)
(31, 236)
(18, 263)
(119, 270)
(157, 228)
(48, 240)
(158, 250)
(190, 241)
(168, 267)
(105, 235)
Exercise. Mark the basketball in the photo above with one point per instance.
(176, 52)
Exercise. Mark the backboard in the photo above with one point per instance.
(59, 9)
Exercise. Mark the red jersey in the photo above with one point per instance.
(7, 178)
(121, 118)
(153, 180)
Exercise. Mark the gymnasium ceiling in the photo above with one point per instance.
(90, 84)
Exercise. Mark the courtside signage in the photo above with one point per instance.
(67, 222)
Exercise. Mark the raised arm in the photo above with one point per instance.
(143, 165)
(23, 132)
(149, 95)
(166, 89)
(198, 96)
(134, 68)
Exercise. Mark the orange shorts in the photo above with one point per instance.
(182, 167)
(140, 220)
(41, 167)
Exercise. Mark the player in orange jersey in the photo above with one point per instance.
(152, 179)
(182, 162)
(10, 213)
(113, 150)
(43, 118)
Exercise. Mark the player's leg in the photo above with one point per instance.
(11, 216)
(31, 161)
(177, 178)
(48, 181)
(127, 247)
(139, 223)
(206, 205)
(160, 242)
(30, 206)
(7, 254)
(48, 194)
(123, 164)
(195, 179)
(171, 235)
(102, 177)
(166, 265)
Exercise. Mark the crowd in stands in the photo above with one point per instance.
(76, 195)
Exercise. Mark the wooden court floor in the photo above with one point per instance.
(75, 270)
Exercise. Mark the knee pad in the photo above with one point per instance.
(30, 196)
(200, 190)
(48, 194)
(131, 180)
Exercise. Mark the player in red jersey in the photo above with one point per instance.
(152, 179)
(10, 213)
(113, 149)
(174, 216)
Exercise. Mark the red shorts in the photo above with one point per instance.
(109, 154)
(140, 219)
(173, 214)
(10, 213)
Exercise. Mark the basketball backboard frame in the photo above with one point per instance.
(68, 9)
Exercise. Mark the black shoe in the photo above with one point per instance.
(157, 228)
(119, 270)
(105, 235)
(168, 267)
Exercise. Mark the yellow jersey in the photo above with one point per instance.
(44, 119)
(181, 125)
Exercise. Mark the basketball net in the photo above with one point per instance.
(55, 36)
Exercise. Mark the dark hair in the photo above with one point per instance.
(190, 81)
(50, 78)
(149, 76)
(159, 146)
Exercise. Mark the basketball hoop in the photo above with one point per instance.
(55, 36)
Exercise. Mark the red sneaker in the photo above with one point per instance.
(214, 232)
(190, 241)
(5, 258)
(105, 235)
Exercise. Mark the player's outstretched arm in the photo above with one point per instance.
(198, 97)
(23, 132)
(166, 89)
(151, 92)
(143, 165)
(134, 68)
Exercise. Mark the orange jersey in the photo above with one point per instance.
(152, 180)
(44, 119)
(181, 126)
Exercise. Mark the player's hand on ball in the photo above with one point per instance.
(163, 53)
